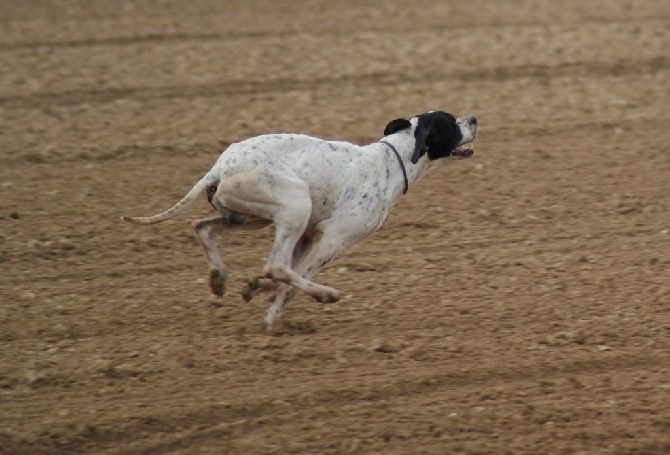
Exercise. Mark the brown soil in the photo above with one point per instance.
(515, 303)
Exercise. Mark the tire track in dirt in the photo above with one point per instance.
(193, 37)
(123, 152)
(158, 432)
(560, 243)
(623, 67)
(466, 253)
(133, 152)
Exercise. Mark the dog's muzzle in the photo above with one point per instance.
(463, 153)
(469, 128)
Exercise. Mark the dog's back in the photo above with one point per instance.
(279, 146)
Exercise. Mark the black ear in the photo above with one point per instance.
(423, 130)
(396, 125)
(436, 134)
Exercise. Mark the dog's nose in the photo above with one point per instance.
(473, 120)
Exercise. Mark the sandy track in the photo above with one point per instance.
(515, 303)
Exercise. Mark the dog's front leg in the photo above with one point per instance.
(285, 292)
(259, 284)
(323, 250)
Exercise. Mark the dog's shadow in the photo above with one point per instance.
(293, 328)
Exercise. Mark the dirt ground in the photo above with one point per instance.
(518, 302)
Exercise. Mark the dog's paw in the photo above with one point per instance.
(272, 319)
(250, 289)
(217, 283)
(247, 293)
(328, 297)
(255, 286)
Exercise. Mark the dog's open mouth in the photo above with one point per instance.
(463, 152)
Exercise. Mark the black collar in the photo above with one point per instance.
(402, 165)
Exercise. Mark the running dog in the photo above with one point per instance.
(322, 196)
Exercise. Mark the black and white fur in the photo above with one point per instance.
(322, 197)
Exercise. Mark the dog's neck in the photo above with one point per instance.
(400, 161)
(404, 145)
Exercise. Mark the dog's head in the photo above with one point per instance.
(438, 134)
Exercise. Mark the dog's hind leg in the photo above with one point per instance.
(208, 230)
(273, 193)
(259, 284)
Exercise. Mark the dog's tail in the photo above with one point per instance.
(179, 207)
